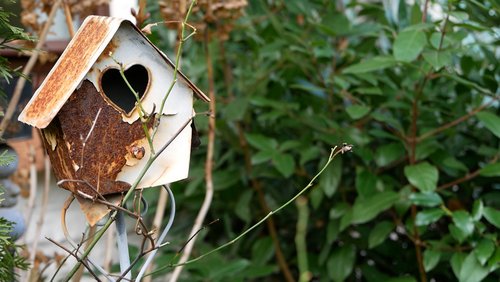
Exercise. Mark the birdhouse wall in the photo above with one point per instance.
(130, 49)
(95, 141)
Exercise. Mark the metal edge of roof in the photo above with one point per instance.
(42, 118)
(191, 85)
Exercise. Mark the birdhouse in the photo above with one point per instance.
(91, 122)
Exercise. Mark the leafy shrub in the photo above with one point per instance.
(413, 87)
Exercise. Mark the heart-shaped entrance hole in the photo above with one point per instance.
(116, 89)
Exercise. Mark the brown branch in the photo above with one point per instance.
(82, 261)
(465, 178)
(69, 18)
(455, 122)
(424, 12)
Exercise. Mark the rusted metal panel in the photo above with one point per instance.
(89, 43)
(89, 142)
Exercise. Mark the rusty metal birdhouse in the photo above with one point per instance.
(91, 124)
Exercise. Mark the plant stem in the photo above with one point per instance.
(334, 152)
(300, 239)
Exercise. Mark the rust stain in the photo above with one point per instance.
(103, 156)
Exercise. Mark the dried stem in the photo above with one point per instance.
(69, 18)
(209, 186)
(43, 210)
(27, 69)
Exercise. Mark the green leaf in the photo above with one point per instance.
(437, 59)
(402, 279)
(262, 142)
(242, 208)
(379, 233)
(341, 263)
(357, 111)
(366, 209)
(477, 210)
(262, 250)
(457, 233)
(426, 199)
(490, 170)
(228, 269)
(456, 262)
(330, 178)
(235, 110)
(261, 157)
(424, 176)
(463, 221)
(431, 259)
(490, 121)
(492, 216)
(408, 45)
(372, 64)
(389, 153)
(284, 163)
(428, 216)
(365, 183)
(484, 250)
(472, 270)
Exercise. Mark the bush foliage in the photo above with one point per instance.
(414, 87)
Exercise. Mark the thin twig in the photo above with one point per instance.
(456, 121)
(69, 18)
(465, 178)
(82, 261)
(334, 153)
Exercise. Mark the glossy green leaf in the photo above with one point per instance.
(472, 270)
(357, 111)
(331, 177)
(428, 216)
(373, 64)
(456, 261)
(424, 176)
(262, 250)
(490, 170)
(477, 210)
(284, 163)
(379, 233)
(483, 250)
(408, 45)
(366, 183)
(492, 215)
(463, 221)
(242, 209)
(366, 209)
(262, 142)
(431, 259)
(341, 263)
(388, 153)
(426, 199)
(457, 233)
(490, 121)
(437, 59)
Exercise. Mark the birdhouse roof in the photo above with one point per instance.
(75, 62)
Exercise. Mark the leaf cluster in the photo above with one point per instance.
(417, 98)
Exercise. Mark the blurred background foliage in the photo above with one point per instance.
(413, 85)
